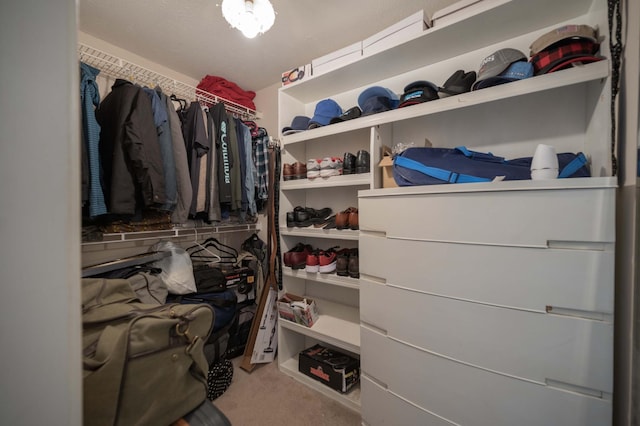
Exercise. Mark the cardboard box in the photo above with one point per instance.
(296, 74)
(387, 168)
(306, 317)
(330, 367)
(337, 59)
(396, 34)
(266, 344)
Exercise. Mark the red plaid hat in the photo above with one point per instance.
(557, 55)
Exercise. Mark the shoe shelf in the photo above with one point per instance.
(338, 234)
(332, 279)
(351, 400)
(362, 179)
(338, 325)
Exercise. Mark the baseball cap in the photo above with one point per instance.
(571, 49)
(516, 71)
(496, 63)
(377, 99)
(324, 112)
(418, 92)
(298, 124)
(349, 114)
(459, 82)
(565, 32)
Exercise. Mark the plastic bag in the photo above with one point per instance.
(177, 269)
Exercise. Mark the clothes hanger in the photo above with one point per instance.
(216, 257)
(228, 253)
(182, 102)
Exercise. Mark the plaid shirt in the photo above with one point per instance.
(261, 160)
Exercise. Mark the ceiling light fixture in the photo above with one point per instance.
(251, 17)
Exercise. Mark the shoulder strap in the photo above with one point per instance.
(573, 166)
(434, 172)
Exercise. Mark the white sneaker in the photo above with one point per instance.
(330, 166)
(313, 168)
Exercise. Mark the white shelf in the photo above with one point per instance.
(351, 399)
(513, 185)
(506, 19)
(362, 179)
(338, 234)
(332, 279)
(337, 325)
(577, 75)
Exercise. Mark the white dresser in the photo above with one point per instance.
(488, 304)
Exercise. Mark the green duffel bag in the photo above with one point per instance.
(143, 364)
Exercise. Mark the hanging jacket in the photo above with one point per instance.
(225, 160)
(161, 120)
(129, 154)
(89, 101)
(195, 139)
(181, 212)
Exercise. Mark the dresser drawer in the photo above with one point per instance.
(519, 277)
(443, 387)
(507, 217)
(380, 407)
(530, 345)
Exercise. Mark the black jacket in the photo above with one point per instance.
(129, 151)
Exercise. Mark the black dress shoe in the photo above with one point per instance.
(348, 164)
(307, 216)
(363, 162)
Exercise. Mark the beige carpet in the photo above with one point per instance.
(267, 397)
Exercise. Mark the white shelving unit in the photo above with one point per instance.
(405, 227)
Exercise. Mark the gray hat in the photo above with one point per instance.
(494, 64)
(563, 33)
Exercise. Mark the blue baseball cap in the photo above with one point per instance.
(325, 111)
(516, 71)
(376, 99)
(298, 124)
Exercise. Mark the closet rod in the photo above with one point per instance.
(138, 259)
(116, 67)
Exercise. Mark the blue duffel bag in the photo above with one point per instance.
(434, 166)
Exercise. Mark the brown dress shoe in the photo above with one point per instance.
(287, 171)
(353, 220)
(299, 170)
(342, 218)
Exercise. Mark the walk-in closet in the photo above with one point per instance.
(320, 213)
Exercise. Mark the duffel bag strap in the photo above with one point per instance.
(483, 156)
(434, 172)
(573, 166)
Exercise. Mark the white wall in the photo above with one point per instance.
(266, 101)
(40, 372)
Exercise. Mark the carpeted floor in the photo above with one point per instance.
(267, 397)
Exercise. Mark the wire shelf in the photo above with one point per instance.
(116, 67)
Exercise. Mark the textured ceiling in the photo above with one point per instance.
(191, 37)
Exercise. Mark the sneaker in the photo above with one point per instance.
(296, 258)
(313, 168)
(328, 260)
(313, 261)
(331, 166)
